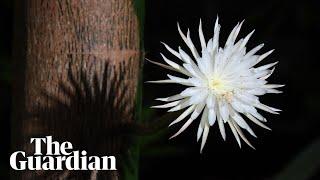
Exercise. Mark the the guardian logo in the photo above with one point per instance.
(59, 157)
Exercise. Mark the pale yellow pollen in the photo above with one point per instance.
(219, 86)
(216, 84)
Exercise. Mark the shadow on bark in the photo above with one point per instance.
(90, 111)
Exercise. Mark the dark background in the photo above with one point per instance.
(290, 151)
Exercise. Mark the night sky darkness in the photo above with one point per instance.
(291, 28)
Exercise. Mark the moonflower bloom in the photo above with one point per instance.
(222, 83)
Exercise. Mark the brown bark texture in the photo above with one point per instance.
(77, 69)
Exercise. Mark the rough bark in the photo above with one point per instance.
(80, 68)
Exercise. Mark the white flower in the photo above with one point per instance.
(224, 84)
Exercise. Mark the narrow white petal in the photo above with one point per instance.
(175, 66)
(184, 127)
(221, 127)
(257, 91)
(263, 56)
(237, 105)
(210, 46)
(208, 63)
(192, 47)
(190, 91)
(202, 66)
(272, 86)
(175, 53)
(161, 81)
(236, 51)
(162, 65)
(243, 137)
(197, 82)
(194, 71)
(201, 36)
(242, 123)
(248, 108)
(171, 104)
(181, 34)
(237, 32)
(171, 98)
(260, 74)
(247, 98)
(199, 98)
(246, 39)
(258, 116)
(239, 120)
(224, 110)
(179, 80)
(249, 62)
(204, 136)
(203, 121)
(274, 91)
(188, 42)
(268, 75)
(183, 115)
(231, 36)
(235, 133)
(197, 111)
(215, 39)
(185, 103)
(254, 50)
(253, 119)
(216, 24)
(267, 66)
(199, 132)
(272, 108)
(185, 57)
(266, 108)
(212, 116)
(211, 100)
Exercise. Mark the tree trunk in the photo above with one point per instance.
(77, 68)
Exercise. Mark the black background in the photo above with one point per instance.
(292, 28)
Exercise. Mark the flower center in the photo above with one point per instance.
(220, 88)
(216, 84)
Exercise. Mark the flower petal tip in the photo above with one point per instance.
(172, 123)
(173, 136)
